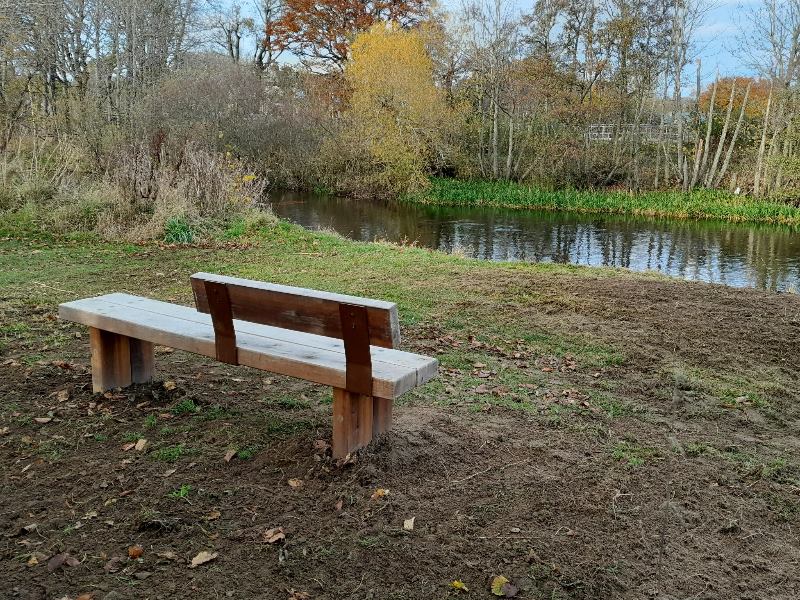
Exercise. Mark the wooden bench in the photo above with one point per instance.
(342, 341)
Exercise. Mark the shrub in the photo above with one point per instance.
(178, 231)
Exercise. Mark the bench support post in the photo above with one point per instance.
(381, 415)
(118, 361)
(352, 421)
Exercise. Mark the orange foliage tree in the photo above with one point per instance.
(756, 101)
(320, 31)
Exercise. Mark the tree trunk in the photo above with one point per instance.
(761, 147)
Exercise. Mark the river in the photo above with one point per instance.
(742, 255)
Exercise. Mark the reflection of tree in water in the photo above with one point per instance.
(759, 256)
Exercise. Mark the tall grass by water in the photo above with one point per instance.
(700, 204)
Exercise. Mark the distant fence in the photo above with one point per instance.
(652, 134)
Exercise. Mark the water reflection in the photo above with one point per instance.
(764, 257)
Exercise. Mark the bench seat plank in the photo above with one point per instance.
(307, 356)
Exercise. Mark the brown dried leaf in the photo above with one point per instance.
(43, 420)
(140, 445)
(202, 558)
(379, 493)
(129, 446)
(62, 395)
(339, 504)
(274, 535)
(135, 551)
(229, 455)
(170, 385)
(60, 560)
(295, 483)
(114, 565)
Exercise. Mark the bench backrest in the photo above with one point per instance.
(358, 321)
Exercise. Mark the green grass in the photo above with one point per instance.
(186, 406)
(170, 453)
(182, 493)
(178, 231)
(700, 204)
(633, 454)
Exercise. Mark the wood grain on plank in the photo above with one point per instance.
(299, 309)
(290, 353)
(392, 356)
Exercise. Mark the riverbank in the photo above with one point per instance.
(593, 433)
(702, 204)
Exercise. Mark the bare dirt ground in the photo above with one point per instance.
(666, 467)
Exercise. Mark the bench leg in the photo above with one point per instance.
(352, 422)
(381, 415)
(142, 361)
(118, 361)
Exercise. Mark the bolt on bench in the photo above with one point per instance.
(333, 339)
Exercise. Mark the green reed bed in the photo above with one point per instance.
(700, 204)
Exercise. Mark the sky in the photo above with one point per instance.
(716, 38)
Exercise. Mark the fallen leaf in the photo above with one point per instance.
(379, 493)
(293, 595)
(321, 445)
(113, 565)
(459, 585)
(408, 524)
(169, 472)
(213, 515)
(11, 363)
(3, 430)
(295, 483)
(129, 446)
(62, 395)
(168, 555)
(482, 389)
(141, 444)
(273, 535)
(501, 586)
(86, 596)
(202, 558)
(478, 365)
(43, 420)
(170, 385)
(135, 551)
(229, 455)
(339, 504)
(142, 575)
(60, 560)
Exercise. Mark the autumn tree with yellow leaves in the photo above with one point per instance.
(394, 126)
